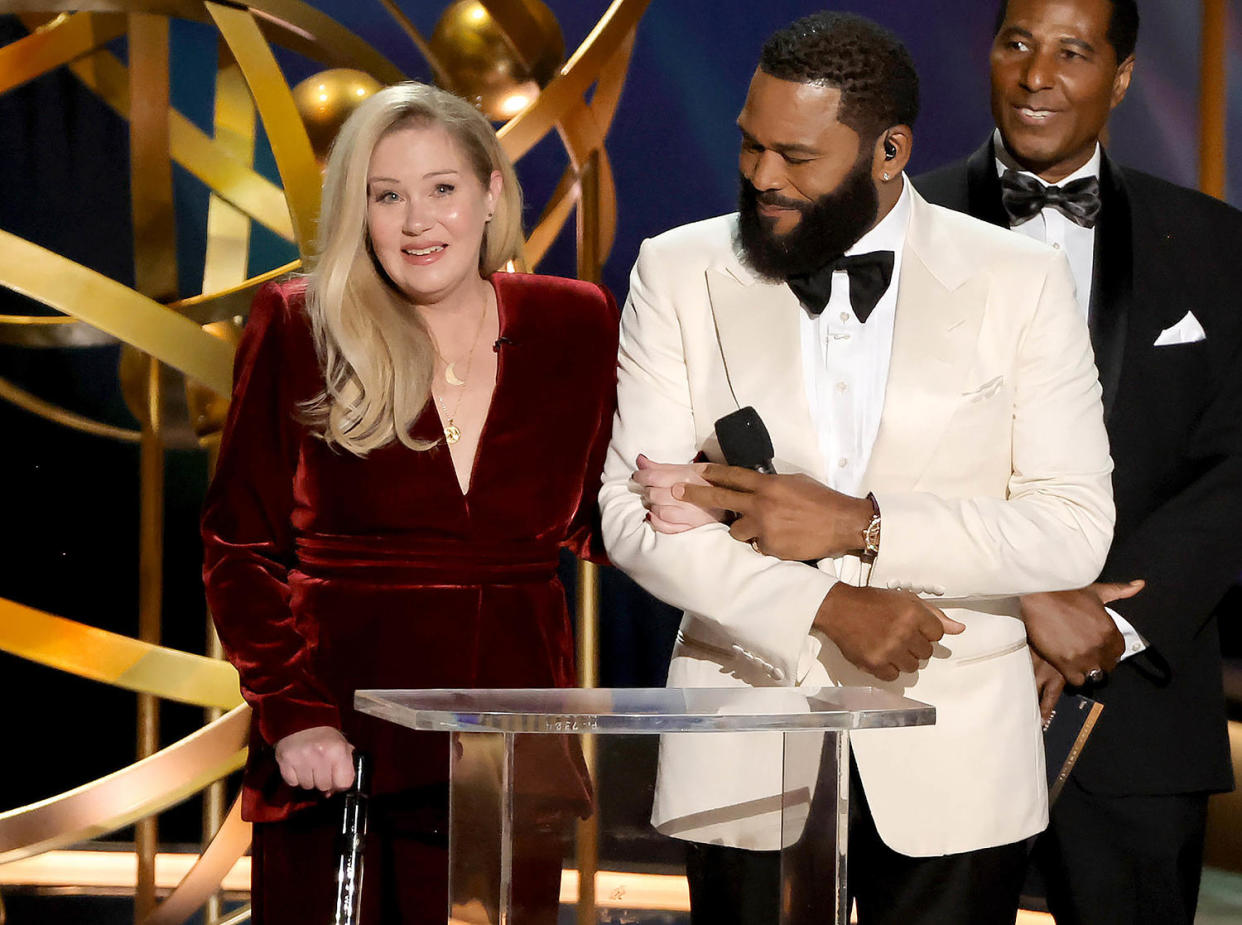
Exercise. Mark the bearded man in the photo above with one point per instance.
(929, 388)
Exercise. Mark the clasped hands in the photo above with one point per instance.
(883, 632)
(786, 516)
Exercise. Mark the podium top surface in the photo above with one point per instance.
(644, 710)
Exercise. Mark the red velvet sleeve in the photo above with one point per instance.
(248, 541)
(583, 537)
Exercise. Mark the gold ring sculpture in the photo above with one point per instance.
(176, 357)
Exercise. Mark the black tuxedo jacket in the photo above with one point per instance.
(1174, 419)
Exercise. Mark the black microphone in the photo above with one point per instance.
(744, 440)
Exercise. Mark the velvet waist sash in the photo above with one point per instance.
(425, 561)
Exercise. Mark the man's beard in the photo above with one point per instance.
(829, 226)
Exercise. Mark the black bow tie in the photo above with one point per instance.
(870, 275)
(1024, 197)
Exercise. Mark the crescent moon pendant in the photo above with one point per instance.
(451, 377)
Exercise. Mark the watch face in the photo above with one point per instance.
(872, 538)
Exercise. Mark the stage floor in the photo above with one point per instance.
(1220, 903)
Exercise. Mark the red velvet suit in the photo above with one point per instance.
(328, 573)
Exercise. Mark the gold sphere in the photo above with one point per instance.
(133, 370)
(499, 72)
(208, 409)
(203, 412)
(326, 99)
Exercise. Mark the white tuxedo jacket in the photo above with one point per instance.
(991, 468)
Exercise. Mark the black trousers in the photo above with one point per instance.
(735, 886)
(1123, 860)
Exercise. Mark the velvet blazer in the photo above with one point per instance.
(327, 572)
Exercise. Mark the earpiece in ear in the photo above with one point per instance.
(890, 150)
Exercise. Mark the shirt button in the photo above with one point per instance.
(843, 462)
(845, 316)
(1056, 244)
(842, 387)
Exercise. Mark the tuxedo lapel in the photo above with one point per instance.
(939, 312)
(1112, 278)
(984, 188)
(1112, 285)
(757, 325)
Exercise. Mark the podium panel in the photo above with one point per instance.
(552, 793)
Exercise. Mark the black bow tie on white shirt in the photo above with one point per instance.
(1024, 197)
(870, 275)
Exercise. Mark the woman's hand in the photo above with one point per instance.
(319, 758)
(666, 514)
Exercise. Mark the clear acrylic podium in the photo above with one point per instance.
(527, 764)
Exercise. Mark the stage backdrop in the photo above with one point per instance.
(68, 539)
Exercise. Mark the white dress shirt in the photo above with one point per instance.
(1078, 245)
(1052, 227)
(845, 362)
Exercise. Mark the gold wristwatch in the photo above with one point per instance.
(871, 536)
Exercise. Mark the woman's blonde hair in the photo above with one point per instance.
(376, 353)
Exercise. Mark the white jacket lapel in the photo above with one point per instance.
(940, 307)
(757, 327)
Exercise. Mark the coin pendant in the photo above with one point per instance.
(452, 433)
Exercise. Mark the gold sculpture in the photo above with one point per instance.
(177, 352)
(325, 100)
(500, 66)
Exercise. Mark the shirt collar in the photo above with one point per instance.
(1005, 161)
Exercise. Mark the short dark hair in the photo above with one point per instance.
(868, 64)
(1123, 26)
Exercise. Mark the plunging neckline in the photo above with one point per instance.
(465, 491)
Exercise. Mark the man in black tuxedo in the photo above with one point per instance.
(1157, 272)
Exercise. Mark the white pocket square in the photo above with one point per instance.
(1186, 331)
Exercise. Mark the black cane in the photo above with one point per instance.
(351, 839)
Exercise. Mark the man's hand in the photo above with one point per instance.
(1048, 685)
(319, 758)
(665, 513)
(1073, 631)
(787, 516)
(882, 632)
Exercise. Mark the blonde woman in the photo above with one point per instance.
(413, 437)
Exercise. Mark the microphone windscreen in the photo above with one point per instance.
(744, 439)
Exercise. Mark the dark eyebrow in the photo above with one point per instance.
(780, 148)
(1078, 43)
(1016, 30)
(1019, 32)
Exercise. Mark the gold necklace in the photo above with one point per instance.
(452, 433)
